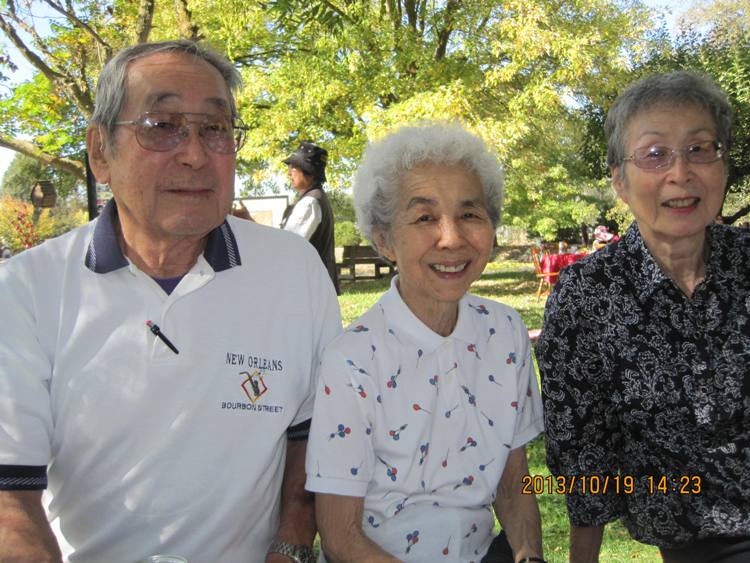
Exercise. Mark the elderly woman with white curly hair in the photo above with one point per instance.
(426, 401)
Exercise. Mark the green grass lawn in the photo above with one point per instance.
(514, 284)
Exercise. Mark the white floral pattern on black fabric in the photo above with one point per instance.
(640, 380)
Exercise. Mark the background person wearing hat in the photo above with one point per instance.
(602, 237)
(311, 215)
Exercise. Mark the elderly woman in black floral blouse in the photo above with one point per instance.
(645, 350)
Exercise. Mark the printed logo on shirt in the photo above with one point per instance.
(252, 383)
(253, 362)
(253, 386)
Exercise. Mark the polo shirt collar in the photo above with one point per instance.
(403, 321)
(104, 254)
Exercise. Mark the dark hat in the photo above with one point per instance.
(311, 159)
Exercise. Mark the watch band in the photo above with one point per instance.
(297, 553)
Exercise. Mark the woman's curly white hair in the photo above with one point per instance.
(385, 163)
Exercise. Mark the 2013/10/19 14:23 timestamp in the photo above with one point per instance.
(610, 484)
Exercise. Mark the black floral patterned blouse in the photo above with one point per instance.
(647, 392)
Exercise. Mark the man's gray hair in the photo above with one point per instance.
(386, 162)
(111, 90)
(673, 89)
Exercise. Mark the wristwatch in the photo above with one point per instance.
(297, 553)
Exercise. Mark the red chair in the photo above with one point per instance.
(545, 278)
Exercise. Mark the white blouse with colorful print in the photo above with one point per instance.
(420, 425)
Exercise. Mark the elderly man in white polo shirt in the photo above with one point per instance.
(155, 365)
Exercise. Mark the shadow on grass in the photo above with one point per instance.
(511, 286)
(508, 274)
(365, 286)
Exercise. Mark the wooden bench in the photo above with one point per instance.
(356, 255)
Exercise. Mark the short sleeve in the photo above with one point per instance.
(530, 420)
(340, 453)
(580, 433)
(25, 372)
(326, 325)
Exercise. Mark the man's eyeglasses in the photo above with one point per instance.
(163, 131)
(655, 157)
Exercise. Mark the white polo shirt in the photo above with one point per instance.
(149, 451)
(420, 425)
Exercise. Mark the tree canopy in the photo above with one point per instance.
(529, 76)
(511, 70)
(714, 39)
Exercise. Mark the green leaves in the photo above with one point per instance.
(533, 77)
(511, 70)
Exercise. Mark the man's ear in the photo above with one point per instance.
(618, 182)
(381, 244)
(99, 154)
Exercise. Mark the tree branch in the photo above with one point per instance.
(343, 15)
(72, 167)
(65, 82)
(144, 20)
(80, 24)
(445, 33)
(83, 69)
(188, 29)
(36, 38)
(422, 10)
(262, 56)
(269, 54)
(730, 219)
(411, 13)
(394, 13)
(27, 53)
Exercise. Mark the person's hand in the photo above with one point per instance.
(242, 212)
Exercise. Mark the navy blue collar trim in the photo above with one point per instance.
(104, 255)
(222, 251)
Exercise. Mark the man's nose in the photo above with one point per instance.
(191, 151)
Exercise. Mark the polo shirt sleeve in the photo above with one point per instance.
(25, 372)
(305, 217)
(340, 452)
(581, 435)
(530, 420)
(325, 324)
